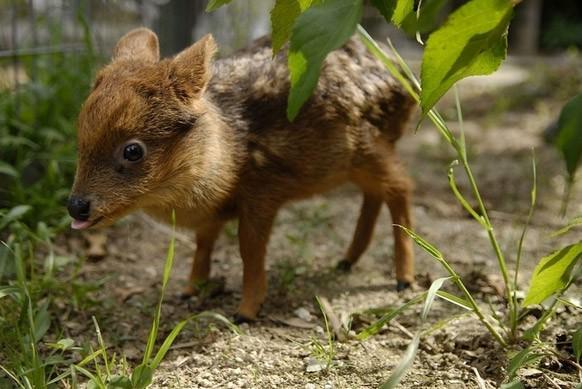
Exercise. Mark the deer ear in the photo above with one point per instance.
(140, 44)
(191, 68)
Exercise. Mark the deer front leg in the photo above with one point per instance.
(253, 232)
(205, 238)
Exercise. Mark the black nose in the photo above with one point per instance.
(79, 208)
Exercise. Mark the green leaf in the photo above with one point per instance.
(142, 376)
(42, 322)
(521, 359)
(13, 291)
(119, 382)
(552, 274)
(424, 244)
(569, 139)
(431, 295)
(317, 31)
(14, 214)
(65, 344)
(577, 344)
(408, 357)
(473, 41)
(429, 11)
(165, 347)
(375, 327)
(216, 4)
(404, 364)
(574, 223)
(451, 298)
(8, 170)
(94, 380)
(283, 16)
(394, 11)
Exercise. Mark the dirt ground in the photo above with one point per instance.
(280, 350)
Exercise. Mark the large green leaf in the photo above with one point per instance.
(552, 273)
(215, 4)
(317, 31)
(283, 17)
(394, 11)
(426, 21)
(569, 140)
(473, 41)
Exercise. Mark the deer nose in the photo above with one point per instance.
(79, 208)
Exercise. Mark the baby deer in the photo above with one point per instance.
(210, 140)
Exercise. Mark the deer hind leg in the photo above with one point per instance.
(385, 179)
(364, 230)
(398, 197)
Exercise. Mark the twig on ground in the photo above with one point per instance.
(334, 321)
(480, 382)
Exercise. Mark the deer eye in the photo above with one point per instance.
(133, 152)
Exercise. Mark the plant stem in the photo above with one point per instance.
(514, 312)
(566, 197)
(457, 280)
(440, 124)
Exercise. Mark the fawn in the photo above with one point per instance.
(210, 140)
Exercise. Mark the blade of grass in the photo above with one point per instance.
(514, 314)
(12, 376)
(167, 270)
(97, 381)
(404, 364)
(434, 252)
(431, 295)
(375, 327)
(460, 198)
(102, 345)
(408, 358)
(451, 298)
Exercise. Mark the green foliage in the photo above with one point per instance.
(216, 4)
(394, 11)
(552, 274)
(37, 136)
(408, 357)
(563, 30)
(375, 327)
(318, 31)
(473, 41)
(575, 223)
(521, 359)
(426, 19)
(283, 16)
(569, 139)
(142, 375)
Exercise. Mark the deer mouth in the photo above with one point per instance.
(84, 224)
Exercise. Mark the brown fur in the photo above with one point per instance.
(219, 146)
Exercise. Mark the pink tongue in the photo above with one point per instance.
(79, 224)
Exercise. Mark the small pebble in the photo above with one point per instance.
(303, 314)
(313, 365)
